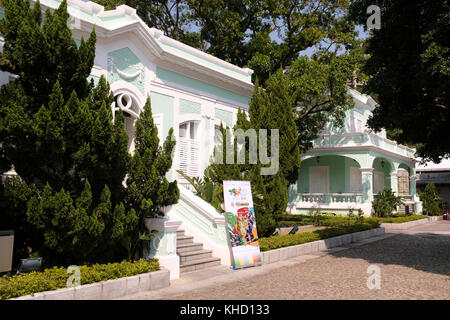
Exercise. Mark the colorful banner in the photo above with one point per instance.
(241, 223)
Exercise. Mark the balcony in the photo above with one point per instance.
(329, 198)
(364, 139)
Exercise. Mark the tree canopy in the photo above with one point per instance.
(263, 35)
(409, 72)
(57, 131)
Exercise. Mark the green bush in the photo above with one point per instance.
(397, 219)
(56, 277)
(287, 240)
(430, 200)
(385, 203)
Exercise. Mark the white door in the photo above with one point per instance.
(355, 180)
(378, 181)
(319, 179)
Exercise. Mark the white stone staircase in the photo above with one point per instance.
(192, 255)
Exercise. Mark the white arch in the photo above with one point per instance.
(137, 99)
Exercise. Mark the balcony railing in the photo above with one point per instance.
(330, 197)
(365, 138)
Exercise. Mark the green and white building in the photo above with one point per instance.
(347, 166)
(193, 93)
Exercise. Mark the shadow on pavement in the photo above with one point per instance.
(422, 251)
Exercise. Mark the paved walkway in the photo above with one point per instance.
(413, 264)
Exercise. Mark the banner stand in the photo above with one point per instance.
(241, 222)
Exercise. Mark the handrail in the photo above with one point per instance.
(201, 206)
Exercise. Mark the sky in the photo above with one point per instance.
(445, 164)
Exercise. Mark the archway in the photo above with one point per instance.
(382, 170)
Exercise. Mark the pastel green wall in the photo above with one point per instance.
(195, 84)
(386, 168)
(128, 63)
(187, 106)
(225, 116)
(339, 173)
(164, 104)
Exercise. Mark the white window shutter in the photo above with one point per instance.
(378, 181)
(355, 180)
(188, 151)
(318, 179)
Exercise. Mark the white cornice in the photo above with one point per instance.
(359, 147)
(151, 37)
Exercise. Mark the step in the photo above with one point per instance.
(186, 257)
(184, 240)
(188, 247)
(180, 233)
(199, 264)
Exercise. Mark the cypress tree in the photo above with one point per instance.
(430, 200)
(148, 189)
(269, 108)
(58, 133)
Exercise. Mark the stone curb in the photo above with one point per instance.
(285, 253)
(106, 290)
(410, 224)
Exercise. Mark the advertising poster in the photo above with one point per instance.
(241, 223)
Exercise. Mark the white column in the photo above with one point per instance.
(163, 245)
(394, 183)
(367, 189)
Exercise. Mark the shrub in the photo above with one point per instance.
(430, 200)
(397, 219)
(56, 277)
(385, 203)
(287, 240)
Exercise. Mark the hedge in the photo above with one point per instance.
(398, 219)
(287, 240)
(56, 277)
(335, 221)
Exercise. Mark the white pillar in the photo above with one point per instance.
(367, 189)
(394, 183)
(163, 245)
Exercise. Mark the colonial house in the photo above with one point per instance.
(193, 93)
(348, 166)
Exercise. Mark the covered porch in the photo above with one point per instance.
(337, 182)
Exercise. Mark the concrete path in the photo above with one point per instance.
(413, 264)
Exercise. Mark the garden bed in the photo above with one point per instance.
(56, 277)
(281, 241)
(307, 248)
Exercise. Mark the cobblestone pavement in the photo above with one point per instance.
(413, 266)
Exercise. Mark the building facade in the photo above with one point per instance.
(348, 166)
(194, 93)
